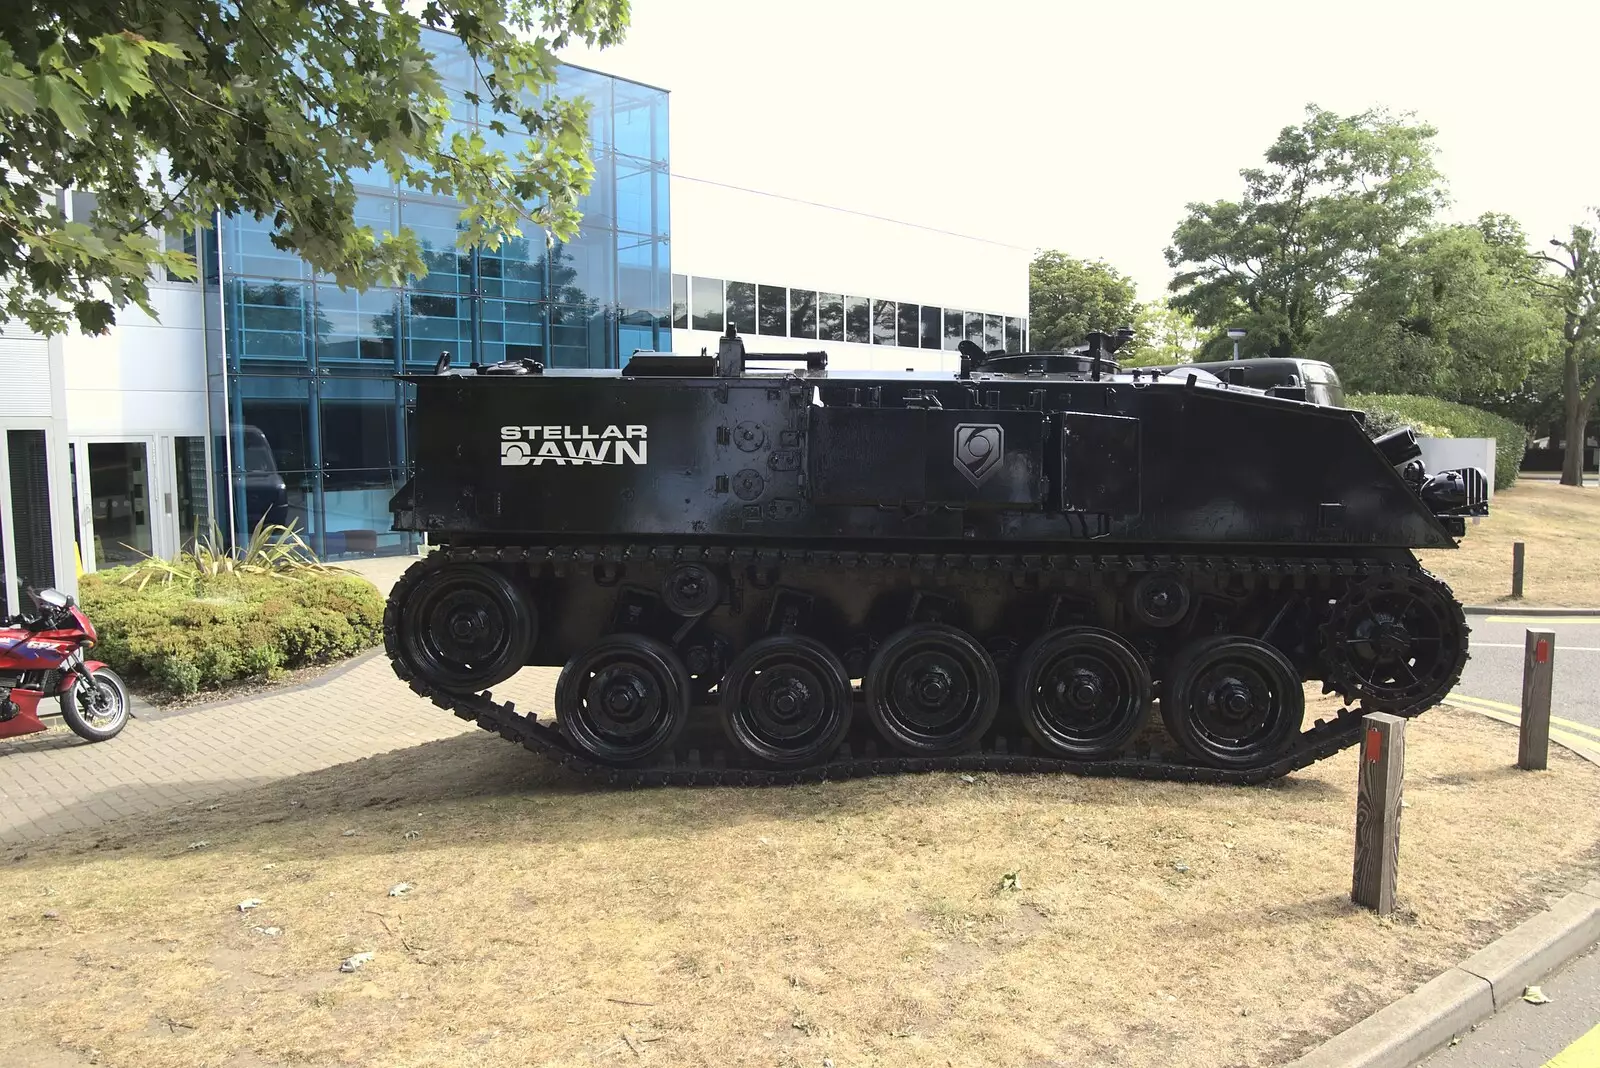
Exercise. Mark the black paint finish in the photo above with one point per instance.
(899, 460)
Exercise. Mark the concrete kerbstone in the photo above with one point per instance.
(1537, 948)
(1404, 1032)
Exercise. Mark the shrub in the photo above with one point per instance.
(1440, 418)
(189, 632)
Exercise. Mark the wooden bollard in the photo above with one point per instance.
(1538, 673)
(1519, 554)
(1382, 779)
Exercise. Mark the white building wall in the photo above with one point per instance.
(145, 376)
(739, 235)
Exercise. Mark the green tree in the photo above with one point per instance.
(1069, 297)
(170, 111)
(1162, 335)
(1574, 291)
(1335, 192)
(1454, 312)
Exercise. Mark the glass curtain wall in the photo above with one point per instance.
(302, 371)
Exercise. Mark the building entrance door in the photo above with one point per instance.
(28, 555)
(120, 525)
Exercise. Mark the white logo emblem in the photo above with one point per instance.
(979, 449)
(562, 445)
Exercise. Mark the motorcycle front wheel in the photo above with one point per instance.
(96, 712)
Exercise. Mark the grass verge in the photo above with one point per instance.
(871, 922)
(1559, 524)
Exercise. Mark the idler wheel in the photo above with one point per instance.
(1160, 600)
(932, 690)
(1396, 643)
(1233, 702)
(787, 700)
(623, 699)
(1082, 693)
(465, 627)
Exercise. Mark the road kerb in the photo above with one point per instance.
(1519, 610)
(1405, 1031)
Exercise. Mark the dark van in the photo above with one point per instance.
(1320, 380)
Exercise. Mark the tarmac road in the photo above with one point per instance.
(1492, 682)
(1566, 1032)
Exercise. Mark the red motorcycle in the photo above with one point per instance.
(41, 655)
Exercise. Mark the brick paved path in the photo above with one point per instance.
(56, 781)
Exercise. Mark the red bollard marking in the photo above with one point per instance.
(1374, 744)
(1541, 651)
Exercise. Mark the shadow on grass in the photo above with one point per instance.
(483, 788)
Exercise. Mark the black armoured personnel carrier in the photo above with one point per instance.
(755, 575)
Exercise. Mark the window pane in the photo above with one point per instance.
(774, 310)
(267, 323)
(707, 305)
(931, 327)
(742, 306)
(30, 510)
(352, 327)
(909, 317)
(680, 302)
(189, 461)
(802, 313)
(975, 328)
(1025, 344)
(953, 330)
(883, 322)
(1013, 334)
(830, 317)
(857, 320)
(993, 333)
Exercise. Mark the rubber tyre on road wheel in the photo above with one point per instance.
(787, 700)
(1083, 693)
(623, 700)
(466, 627)
(1233, 702)
(932, 690)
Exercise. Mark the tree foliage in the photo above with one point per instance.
(169, 112)
(1163, 335)
(1069, 297)
(1336, 191)
(1454, 312)
(1573, 289)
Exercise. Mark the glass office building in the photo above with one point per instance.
(301, 372)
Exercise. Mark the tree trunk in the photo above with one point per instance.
(1576, 417)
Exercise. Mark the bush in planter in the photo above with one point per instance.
(184, 634)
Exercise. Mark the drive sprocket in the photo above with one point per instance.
(1396, 643)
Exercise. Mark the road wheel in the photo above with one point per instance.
(1233, 702)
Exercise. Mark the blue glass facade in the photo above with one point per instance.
(300, 372)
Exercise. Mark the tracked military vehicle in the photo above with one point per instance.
(751, 569)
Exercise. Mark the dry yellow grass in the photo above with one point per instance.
(864, 922)
(1561, 526)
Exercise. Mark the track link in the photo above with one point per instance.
(1324, 739)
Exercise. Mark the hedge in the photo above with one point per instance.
(186, 635)
(1428, 415)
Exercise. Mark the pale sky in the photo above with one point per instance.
(1087, 127)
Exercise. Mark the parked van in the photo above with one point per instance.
(1320, 380)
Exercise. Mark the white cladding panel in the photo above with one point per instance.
(146, 376)
(719, 232)
(26, 359)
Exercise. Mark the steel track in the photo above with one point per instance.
(1324, 739)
